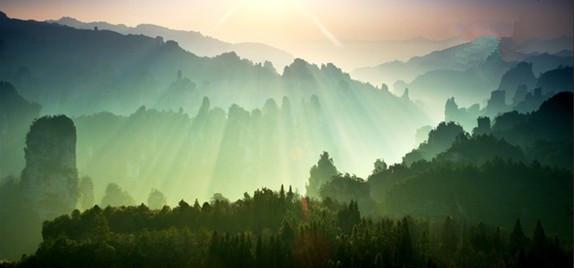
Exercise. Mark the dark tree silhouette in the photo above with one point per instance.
(321, 173)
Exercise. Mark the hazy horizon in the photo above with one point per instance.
(314, 30)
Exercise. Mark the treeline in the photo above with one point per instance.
(282, 229)
(544, 135)
(521, 166)
(496, 192)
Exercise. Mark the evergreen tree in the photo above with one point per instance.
(321, 173)
(348, 217)
(539, 247)
(379, 166)
(517, 239)
(287, 233)
(405, 244)
(449, 238)
(539, 237)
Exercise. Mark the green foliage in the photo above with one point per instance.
(439, 139)
(496, 192)
(347, 188)
(379, 166)
(479, 149)
(546, 134)
(48, 186)
(321, 173)
(272, 230)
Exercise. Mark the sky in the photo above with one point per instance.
(321, 25)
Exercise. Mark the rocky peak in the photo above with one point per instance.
(50, 177)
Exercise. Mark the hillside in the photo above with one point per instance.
(192, 41)
(459, 57)
(141, 82)
(468, 72)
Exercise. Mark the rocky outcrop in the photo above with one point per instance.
(556, 80)
(466, 117)
(50, 178)
(496, 104)
(520, 75)
(483, 126)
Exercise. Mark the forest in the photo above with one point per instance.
(284, 229)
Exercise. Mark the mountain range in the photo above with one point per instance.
(468, 72)
(136, 79)
(352, 54)
(546, 54)
(192, 41)
(459, 57)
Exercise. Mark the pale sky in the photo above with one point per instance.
(292, 24)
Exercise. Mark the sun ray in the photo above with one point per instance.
(326, 33)
(226, 16)
(263, 6)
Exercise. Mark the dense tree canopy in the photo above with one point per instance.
(282, 229)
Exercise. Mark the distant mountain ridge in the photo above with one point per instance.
(520, 90)
(468, 72)
(192, 41)
(467, 55)
(82, 72)
(459, 57)
(539, 45)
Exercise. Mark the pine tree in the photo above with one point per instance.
(539, 246)
(449, 237)
(287, 233)
(539, 237)
(405, 244)
(282, 193)
(259, 259)
(290, 195)
(517, 239)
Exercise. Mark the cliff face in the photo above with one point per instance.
(496, 104)
(519, 75)
(466, 117)
(50, 178)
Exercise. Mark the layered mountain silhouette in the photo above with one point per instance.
(519, 90)
(192, 41)
(468, 72)
(559, 45)
(546, 54)
(460, 57)
(544, 135)
(85, 71)
(163, 101)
